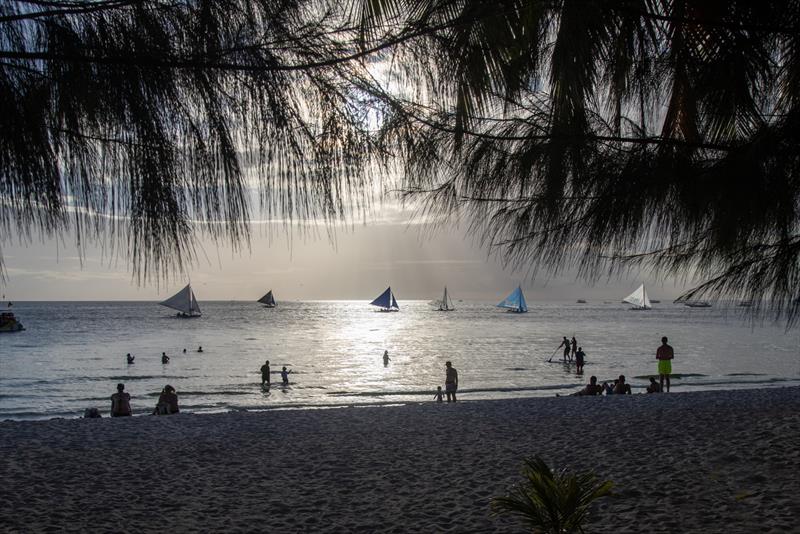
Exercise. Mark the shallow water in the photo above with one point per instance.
(72, 354)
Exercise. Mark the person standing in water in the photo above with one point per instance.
(285, 376)
(450, 381)
(574, 345)
(265, 374)
(130, 358)
(664, 355)
(120, 402)
(580, 356)
(164, 357)
(565, 344)
(386, 357)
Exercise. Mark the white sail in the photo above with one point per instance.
(184, 301)
(639, 299)
(446, 304)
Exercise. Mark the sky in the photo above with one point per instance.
(359, 265)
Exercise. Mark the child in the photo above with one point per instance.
(285, 376)
(438, 396)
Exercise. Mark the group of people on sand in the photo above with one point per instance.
(664, 354)
(265, 375)
(121, 403)
(164, 358)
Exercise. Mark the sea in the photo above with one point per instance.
(72, 354)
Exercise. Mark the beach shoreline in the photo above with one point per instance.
(681, 462)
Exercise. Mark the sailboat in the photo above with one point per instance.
(446, 304)
(639, 299)
(185, 302)
(268, 300)
(515, 302)
(386, 301)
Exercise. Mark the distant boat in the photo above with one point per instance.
(639, 299)
(580, 301)
(386, 301)
(185, 302)
(446, 304)
(9, 323)
(268, 300)
(654, 301)
(697, 304)
(515, 302)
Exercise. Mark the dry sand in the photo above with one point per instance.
(682, 462)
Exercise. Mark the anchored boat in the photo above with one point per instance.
(386, 301)
(185, 302)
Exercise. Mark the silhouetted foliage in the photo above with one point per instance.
(551, 502)
(146, 121)
(614, 133)
(601, 134)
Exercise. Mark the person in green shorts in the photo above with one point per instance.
(664, 355)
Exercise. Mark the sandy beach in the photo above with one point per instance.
(682, 462)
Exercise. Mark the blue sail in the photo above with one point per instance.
(515, 301)
(386, 300)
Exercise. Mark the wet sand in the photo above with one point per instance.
(681, 462)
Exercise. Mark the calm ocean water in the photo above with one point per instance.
(73, 353)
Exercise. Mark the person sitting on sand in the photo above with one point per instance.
(621, 388)
(200, 348)
(265, 373)
(130, 358)
(164, 357)
(120, 402)
(592, 388)
(451, 381)
(580, 357)
(654, 386)
(438, 396)
(285, 376)
(167, 402)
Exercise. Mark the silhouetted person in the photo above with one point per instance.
(167, 402)
(164, 357)
(265, 373)
(574, 344)
(120, 402)
(580, 357)
(664, 355)
(621, 388)
(592, 388)
(438, 395)
(200, 349)
(450, 381)
(386, 357)
(285, 376)
(130, 358)
(565, 344)
(654, 386)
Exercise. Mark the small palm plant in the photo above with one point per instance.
(551, 503)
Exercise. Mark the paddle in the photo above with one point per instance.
(550, 359)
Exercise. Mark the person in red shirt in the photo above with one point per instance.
(664, 355)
